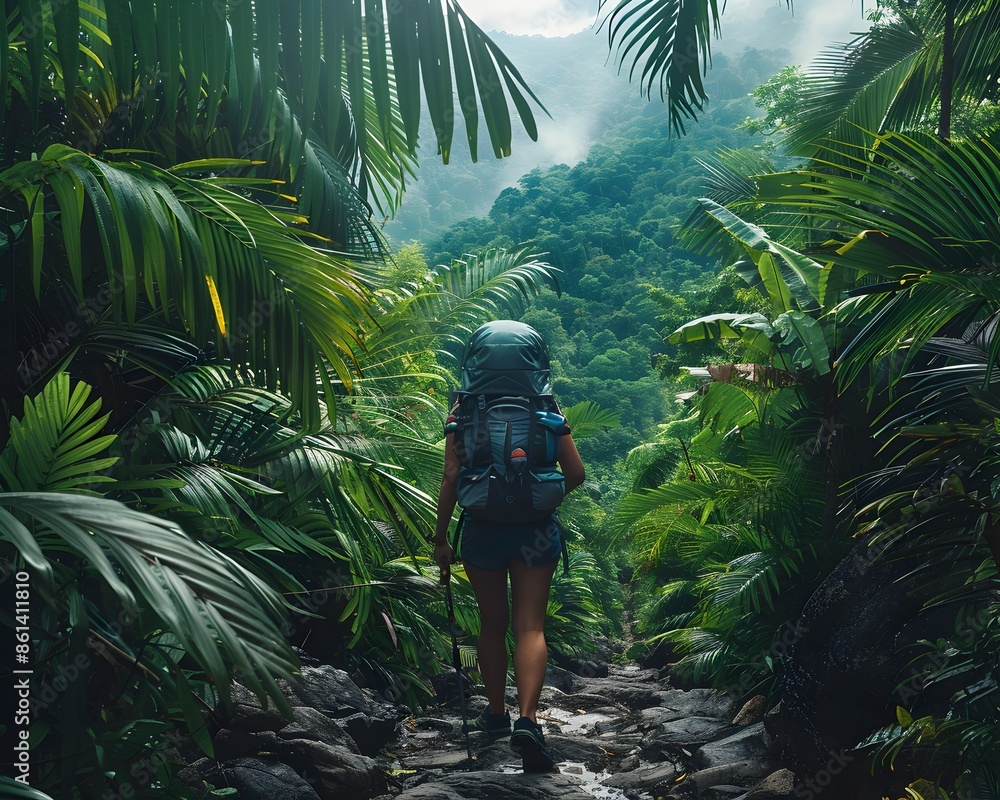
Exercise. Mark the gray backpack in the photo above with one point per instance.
(507, 427)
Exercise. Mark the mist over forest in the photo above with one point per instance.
(586, 95)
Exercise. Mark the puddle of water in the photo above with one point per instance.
(590, 781)
(570, 722)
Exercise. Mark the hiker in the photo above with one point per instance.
(508, 361)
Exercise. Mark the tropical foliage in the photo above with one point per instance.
(221, 420)
(919, 64)
(879, 247)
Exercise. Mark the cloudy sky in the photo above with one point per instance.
(814, 24)
(545, 17)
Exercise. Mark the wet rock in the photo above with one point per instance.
(752, 711)
(575, 723)
(853, 645)
(703, 702)
(550, 696)
(229, 744)
(334, 772)
(633, 695)
(309, 723)
(628, 763)
(257, 779)
(744, 774)
(723, 792)
(776, 786)
(436, 759)
(619, 742)
(445, 688)
(653, 718)
(654, 751)
(584, 701)
(330, 690)
(249, 714)
(772, 721)
(588, 668)
(695, 731)
(495, 756)
(197, 772)
(433, 724)
(589, 751)
(562, 679)
(748, 744)
(656, 778)
(636, 674)
(498, 786)
(627, 727)
(595, 662)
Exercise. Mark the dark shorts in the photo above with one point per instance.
(491, 545)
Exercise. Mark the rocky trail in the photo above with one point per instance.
(620, 732)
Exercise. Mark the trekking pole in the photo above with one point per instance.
(457, 659)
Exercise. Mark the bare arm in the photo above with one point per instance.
(447, 498)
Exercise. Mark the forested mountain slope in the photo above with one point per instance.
(587, 100)
(609, 224)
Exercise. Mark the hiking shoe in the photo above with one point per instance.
(495, 725)
(527, 741)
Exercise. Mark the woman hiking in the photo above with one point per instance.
(504, 440)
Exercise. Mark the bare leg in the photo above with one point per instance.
(530, 593)
(490, 587)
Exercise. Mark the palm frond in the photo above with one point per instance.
(191, 589)
(479, 285)
(194, 591)
(937, 260)
(671, 40)
(439, 315)
(890, 78)
(860, 86)
(587, 418)
(363, 468)
(336, 47)
(55, 444)
(729, 182)
(220, 265)
(750, 582)
(653, 463)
